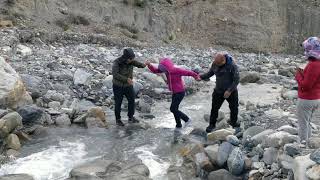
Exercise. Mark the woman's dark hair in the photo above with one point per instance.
(311, 58)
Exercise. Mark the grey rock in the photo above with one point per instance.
(279, 139)
(249, 77)
(292, 149)
(288, 129)
(81, 77)
(258, 138)
(24, 50)
(203, 162)
(16, 177)
(270, 155)
(12, 153)
(236, 161)
(233, 140)
(33, 85)
(34, 115)
(258, 165)
(220, 134)
(52, 95)
(223, 153)
(54, 105)
(315, 156)
(63, 120)
(212, 152)
(8, 123)
(290, 95)
(13, 142)
(252, 131)
(113, 170)
(314, 142)
(222, 174)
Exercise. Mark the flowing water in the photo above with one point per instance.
(53, 156)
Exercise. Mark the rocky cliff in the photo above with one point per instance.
(247, 25)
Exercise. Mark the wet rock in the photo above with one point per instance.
(181, 172)
(219, 135)
(63, 120)
(12, 89)
(144, 107)
(314, 142)
(247, 163)
(252, 131)
(222, 174)
(34, 115)
(300, 166)
(279, 139)
(97, 112)
(203, 162)
(288, 129)
(8, 123)
(12, 152)
(314, 172)
(270, 155)
(16, 177)
(286, 162)
(81, 77)
(233, 140)
(113, 170)
(212, 152)
(39, 130)
(13, 142)
(248, 77)
(24, 50)
(223, 153)
(292, 149)
(3, 112)
(236, 161)
(23, 136)
(315, 156)
(91, 122)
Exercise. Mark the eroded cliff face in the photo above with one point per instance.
(247, 25)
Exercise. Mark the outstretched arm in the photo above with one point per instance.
(138, 64)
(209, 74)
(153, 68)
(185, 72)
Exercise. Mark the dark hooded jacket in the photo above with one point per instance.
(121, 70)
(227, 76)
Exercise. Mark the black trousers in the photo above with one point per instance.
(217, 101)
(174, 108)
(119, 92)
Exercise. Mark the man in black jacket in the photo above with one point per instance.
(227, 80)
(122, 71)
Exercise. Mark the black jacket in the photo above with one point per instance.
(227, 76)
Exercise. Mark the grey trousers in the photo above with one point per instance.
(306, 110)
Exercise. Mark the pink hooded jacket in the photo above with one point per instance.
(174, 80)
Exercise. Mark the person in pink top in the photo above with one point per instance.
(176, 86)
(308, 80)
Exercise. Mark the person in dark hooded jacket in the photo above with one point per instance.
(122, 71)
(227, 80)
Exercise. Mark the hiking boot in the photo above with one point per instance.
(178, 125)
(133, 120)
(210, 128)
(119, 123)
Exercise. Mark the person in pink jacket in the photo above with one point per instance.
(176, 86)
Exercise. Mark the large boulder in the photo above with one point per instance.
(220, 135)
(212, 152)
(249, 77)
(258, 138)
(13, 142)
(8, 123)
(63, 120)
(222, 174)
(34, 115)
(270, 155)
(12, 90)
(236, 161)
(16, 177)
(288, 129)
(252, 131)
(279, 139)
(223, 153)
(109, 169)
(300, 166)
(203, 162)
(33, 85)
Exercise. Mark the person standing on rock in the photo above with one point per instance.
(227, 80)
(176, 85)
(308, 87)
(122, 71)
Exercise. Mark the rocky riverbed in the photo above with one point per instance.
(57, 117)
